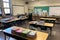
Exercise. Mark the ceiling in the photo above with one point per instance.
(48, 1)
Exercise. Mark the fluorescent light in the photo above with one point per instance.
(32, 0)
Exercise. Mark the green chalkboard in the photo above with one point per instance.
(46, 8)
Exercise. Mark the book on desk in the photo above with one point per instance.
(24, 33)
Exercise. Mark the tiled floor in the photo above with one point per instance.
(55, 33)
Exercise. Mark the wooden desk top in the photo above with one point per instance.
(48, 18)
(32, 22)
(49, 24)
(14, 19)
(40, 35)
(10, 20)
(44, 24)
(3, 20)
(23, 18)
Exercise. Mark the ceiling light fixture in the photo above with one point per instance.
(32, 0)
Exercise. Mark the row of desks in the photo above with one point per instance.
(40, 35)
(14, 19)
(48, 19)
(45, 25)
(51, 20)
(6, 20)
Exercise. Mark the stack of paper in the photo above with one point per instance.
(25, 32)
(40, 23)
(32, 35)
(35, 22)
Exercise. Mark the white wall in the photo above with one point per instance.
(17, 2)
(20, 2)
(44, 3)
(33, 4)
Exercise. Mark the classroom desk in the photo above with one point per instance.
(11, 20)
(48, 25)
(48, 18)
(45, 24)
(33, 22)
(51, 20)
(22, 18)
(40, 35)
(8, 22)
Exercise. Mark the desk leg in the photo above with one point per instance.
(50, 31)
(5, 37)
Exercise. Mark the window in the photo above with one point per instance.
(6, 6)
(0, 12)
(7, 11)
(5, 0)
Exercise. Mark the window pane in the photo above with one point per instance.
(0, 11)
(7, 11)
(6, 0)
(6, 4)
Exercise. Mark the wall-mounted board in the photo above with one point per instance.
(54, 11)
(41, 10)
(18, 10)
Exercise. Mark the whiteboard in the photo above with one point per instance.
(17, 10)
(54, 11)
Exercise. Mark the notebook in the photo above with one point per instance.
(26, 31)
(20, 31)
(32, 33)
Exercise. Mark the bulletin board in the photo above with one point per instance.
(54, 11)
(40, 10)
(51, 10)
(17, 10)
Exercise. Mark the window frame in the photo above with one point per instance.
(6, 7)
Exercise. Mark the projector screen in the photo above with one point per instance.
(54, 11)
(18, 10)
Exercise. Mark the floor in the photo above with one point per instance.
(55, 33)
